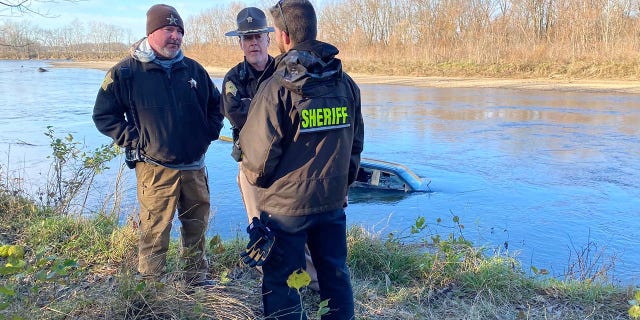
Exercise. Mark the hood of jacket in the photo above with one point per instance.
(141, 50)
(310, 68)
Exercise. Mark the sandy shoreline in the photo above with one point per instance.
(616, 86)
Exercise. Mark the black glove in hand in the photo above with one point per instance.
(236, 152)
(261, 240)
(131, 156)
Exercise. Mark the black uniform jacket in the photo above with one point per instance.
(172, 118)
(304, 133)
(239, 86)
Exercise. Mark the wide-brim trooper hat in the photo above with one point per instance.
(250, 20)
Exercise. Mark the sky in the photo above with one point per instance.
(130, 15)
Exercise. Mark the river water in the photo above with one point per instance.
(548, 176)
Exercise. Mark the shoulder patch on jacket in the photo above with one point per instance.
(230, 88)
(107, 81)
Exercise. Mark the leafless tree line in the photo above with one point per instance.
(498, 37)
(409, 35)
(486, 31)
(20, 40)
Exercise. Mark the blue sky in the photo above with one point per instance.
(130, 15)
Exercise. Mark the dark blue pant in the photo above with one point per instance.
(325, 234)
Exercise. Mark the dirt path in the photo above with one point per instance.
(609, 86)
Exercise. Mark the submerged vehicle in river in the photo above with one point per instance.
(379, 175)
(383, 175)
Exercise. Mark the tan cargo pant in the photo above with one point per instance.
(249, 194)
(160, 192)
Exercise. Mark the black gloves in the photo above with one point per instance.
(131, 156)
(236, 152)
(261, 240)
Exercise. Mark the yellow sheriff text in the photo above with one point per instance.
(322, 117)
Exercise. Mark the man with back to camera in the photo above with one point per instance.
(302, 142)
(240, 85)
(163, 108)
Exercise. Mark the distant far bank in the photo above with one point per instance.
(591, 85)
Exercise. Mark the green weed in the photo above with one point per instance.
(634, 310)
(74, 170)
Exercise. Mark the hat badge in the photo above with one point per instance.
(250, 19)
(172, 19)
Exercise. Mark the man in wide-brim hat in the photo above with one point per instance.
(239, 86)
(250, 20)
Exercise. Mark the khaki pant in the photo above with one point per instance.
(160, 192)
(249, 194)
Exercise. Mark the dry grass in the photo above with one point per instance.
(390, 281)
(409, 61)
(239, 298)
(382, 60)
(111, 291)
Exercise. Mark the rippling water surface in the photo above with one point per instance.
(537, 173)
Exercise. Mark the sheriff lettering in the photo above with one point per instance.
(319, 119)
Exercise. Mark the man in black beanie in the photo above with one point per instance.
(163, 108)
(164, 18)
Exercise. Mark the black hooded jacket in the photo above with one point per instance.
(171, 118)
(304, 133)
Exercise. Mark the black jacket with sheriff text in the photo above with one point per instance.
(172, 118)
(304, 133)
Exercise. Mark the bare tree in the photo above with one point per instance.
(209, 27)
(18, 8)
(15, 39)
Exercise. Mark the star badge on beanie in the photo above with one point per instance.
(162, 15)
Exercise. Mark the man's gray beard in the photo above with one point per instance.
(169, 54)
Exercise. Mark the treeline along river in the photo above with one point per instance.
(540, 174)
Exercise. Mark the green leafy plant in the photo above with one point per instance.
(74, 169)
(6, 293)
(23, 280)
(300, 279)
(634, 310)
(540, 271)
(419, 225)
(297, 280)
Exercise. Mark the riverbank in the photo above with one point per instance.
(574, 85)
(61, 265)
(66, 267)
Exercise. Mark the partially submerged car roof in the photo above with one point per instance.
(386, 175)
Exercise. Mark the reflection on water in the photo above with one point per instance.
(364, 196)
(545, 172)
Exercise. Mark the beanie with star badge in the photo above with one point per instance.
(162, 15)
